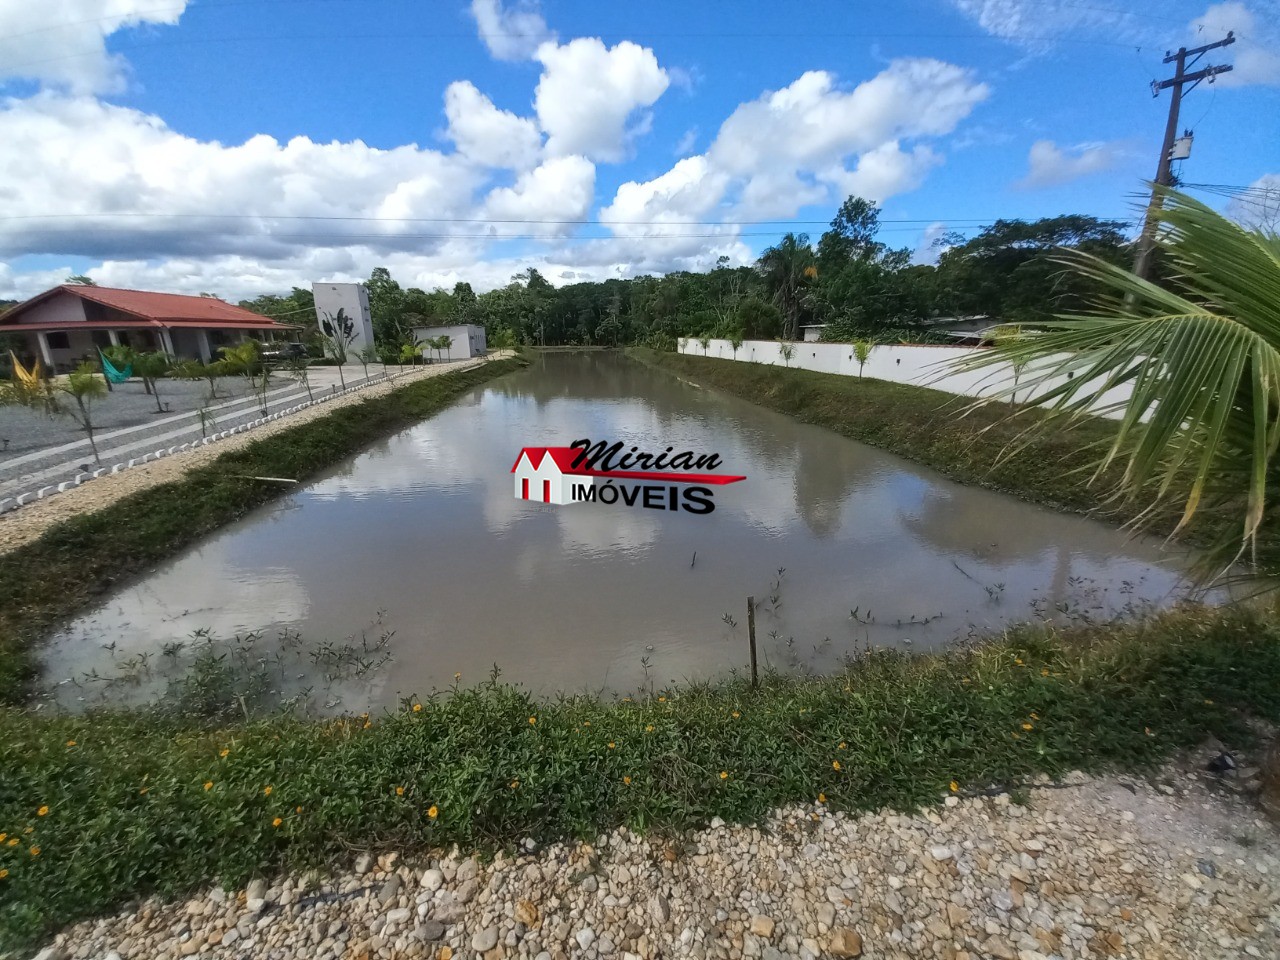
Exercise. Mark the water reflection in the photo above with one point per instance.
(419, 536)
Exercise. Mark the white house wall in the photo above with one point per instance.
(924, 366)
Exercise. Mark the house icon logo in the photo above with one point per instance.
(546, 474)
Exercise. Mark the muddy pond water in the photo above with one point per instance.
(413, 562)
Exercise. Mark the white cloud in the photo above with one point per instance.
(1254, 54)
(1050, 164)
(927, 250)
(792, 147)
(588, 92)
(511, 32)
(1035, 24)
(562, 188)
(63, 42)
(115, 170)
(482, 132)
(1258, 206)
(684, 146)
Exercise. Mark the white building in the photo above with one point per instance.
(542, 474)
(466, 341)
(349, 302)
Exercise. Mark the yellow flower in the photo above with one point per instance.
(1026, 726)
(223, 752)
(514, 784)
(2, 837)
(457, 676)
(35, 851)
(1018, 661)
(835, 764)
(612, 744)
(965, 680)
(71, 743)
(841, 745)
(266, 791)
(627, 781)
(1034, 715)
(649, 728)
(417, 708)
(1209, 703)
(13, 842)
(1044, 671)
(662, 699)
(276, 822)
(735, 714)
(586, 723)
(822, 798)
(368, 724)
(533, 721)
(626, 699)
(297, 809)
(1017, 736)
(3, 873)
(143, 791)
(724, 775)
(433, 812)
(208, 784)
(955, 787)
(42, 811)
(399, 791)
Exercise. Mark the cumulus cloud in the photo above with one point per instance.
(1254, 54)
(123, 183)
(561, 189)
(63, 42)
(588, 92)
(511, 32)
(1050, 164)
(493, 137)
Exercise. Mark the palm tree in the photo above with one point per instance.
(787, 270)
(1200, 359)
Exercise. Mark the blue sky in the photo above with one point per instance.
(245, 146)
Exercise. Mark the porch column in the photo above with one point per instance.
(46, 356)
(202, 345)
(114, 338)
(166, 341)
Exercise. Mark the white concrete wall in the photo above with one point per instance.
(918, 365)
(352, 298)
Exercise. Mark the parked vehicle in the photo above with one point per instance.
(283, 351)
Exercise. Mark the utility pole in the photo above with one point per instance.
(1164, 170)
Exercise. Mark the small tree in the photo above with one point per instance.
(1006, 337)
(209, 372)
(83, 386)
(735, 341)
(368, 354)
(339, 333)
(150, 367)
(786, 351)
(706, 343)
(862, 353)
(300, 369)
(410, 352)
(443, 344)
(246, 359)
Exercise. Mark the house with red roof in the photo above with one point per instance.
(71, 322)
(546, 474)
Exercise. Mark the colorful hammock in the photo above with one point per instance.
(28, 378)
(111, 373)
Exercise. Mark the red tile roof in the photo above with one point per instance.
(164, 309)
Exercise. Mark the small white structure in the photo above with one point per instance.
(335, 301)
(812, 332)
(542, 474)
(466, 340)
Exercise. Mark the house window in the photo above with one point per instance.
(58, 340)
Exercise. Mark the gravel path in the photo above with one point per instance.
(27, 523)
(1097, 868)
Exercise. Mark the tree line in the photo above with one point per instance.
(849, 280)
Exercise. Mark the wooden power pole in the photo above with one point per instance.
(1164, 170)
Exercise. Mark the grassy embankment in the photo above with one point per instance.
(51, 579)
(116, 805)
(922, 425)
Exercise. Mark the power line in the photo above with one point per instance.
(486, 220)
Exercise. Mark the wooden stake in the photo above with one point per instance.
(751, 633)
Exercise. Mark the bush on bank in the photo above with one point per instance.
(96, 810)
(51, 579)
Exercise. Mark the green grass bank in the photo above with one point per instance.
(51, 579)
(109, 807)
(922, 425)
